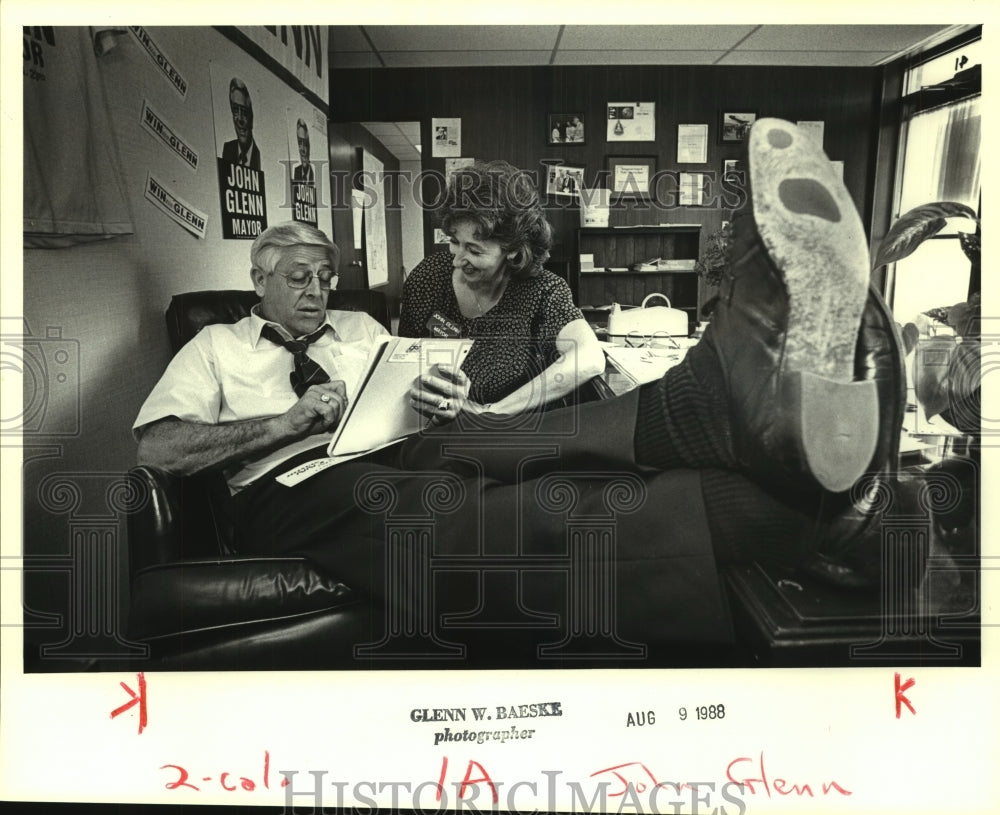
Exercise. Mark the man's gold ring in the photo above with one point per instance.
(444, 404)
(325, 397)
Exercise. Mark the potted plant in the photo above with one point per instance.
(712, 264)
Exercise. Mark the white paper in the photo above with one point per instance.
(155, 124)
(376, 240)
(692, 189)
(692, 144)
(174, 207)
(631, 178)
(358, 201)
(631, 121)
(381, 411)
(446, 137)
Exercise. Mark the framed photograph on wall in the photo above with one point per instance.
(565, 128)
(631, 121)
(733, 127)
(631, 176)
(564, 179)
(732, 169)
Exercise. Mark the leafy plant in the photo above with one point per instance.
(951, 389)
(712, 264)
(916, 226)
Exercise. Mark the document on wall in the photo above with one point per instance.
(380, 413)
(631, 121)
(692, 144)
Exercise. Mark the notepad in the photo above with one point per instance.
(380, 412)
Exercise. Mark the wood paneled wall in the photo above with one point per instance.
(503, 110)
(504, 116)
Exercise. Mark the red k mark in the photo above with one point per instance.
(137, 698)
(901, 698)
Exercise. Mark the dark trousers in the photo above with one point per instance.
(523, 490)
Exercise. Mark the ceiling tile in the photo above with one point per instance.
(838, 37)
(347, 38)
(382, 128)
(459, 59)
(839, 59)
(637, 57)
(463, 37)
(652, 37)
(355, 59)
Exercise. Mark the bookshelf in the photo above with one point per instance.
(623, 247)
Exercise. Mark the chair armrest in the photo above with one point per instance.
(154, 526)
(199, 595)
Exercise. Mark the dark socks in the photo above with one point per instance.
(683, 422)
(748, 523)
(683, 418)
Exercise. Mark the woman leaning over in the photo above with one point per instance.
(533, 345)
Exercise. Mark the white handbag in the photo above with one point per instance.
(633, 326)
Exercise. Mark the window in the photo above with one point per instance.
(940, 148)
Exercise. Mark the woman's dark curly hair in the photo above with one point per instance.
(503, 203)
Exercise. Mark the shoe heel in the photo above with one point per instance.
(839, 428)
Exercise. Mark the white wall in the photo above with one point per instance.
(412, 218)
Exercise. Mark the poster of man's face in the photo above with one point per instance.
(242, 193)
(302, 137)
(244, 149)
(242, 109)
(302, 175)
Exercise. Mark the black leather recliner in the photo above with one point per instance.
(195, 601)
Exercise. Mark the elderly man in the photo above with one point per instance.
(243, 149)
(249, 397)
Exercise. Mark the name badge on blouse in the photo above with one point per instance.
(441, 326)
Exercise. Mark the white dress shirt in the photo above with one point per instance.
(229, 373)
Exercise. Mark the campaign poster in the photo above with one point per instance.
(302, 131)
(242, 197)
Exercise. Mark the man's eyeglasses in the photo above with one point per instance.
(302, 280)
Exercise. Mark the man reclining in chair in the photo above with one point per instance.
(791, 396)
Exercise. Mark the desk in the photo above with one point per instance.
(785, 619)
(626, 368)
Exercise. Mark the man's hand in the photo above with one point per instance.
(320, 409)
(441, 394)
(185, 448)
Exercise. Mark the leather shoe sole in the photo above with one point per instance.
(807, 230)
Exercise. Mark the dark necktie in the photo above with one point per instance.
(306, 371)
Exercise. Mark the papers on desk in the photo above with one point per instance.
(644, 364)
